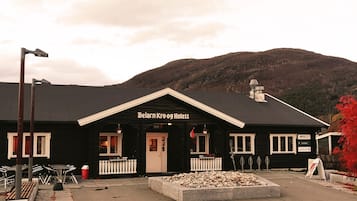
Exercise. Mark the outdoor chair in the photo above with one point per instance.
(49, 176)
(69, 173)
(6, 179)
(39, 172)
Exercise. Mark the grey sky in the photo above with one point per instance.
(106, 42)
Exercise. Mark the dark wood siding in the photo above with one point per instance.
(72, 144)
(262, 148)
(166, 104)
(69, 144)
(134, 131)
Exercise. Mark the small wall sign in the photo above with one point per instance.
(304, 149)
(304, 137)
(304, 143)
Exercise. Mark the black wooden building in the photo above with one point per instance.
(119, 130)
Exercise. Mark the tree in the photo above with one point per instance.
(348, 153)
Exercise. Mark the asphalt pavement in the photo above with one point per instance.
(294, 187)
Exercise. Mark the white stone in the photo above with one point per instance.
(214, 179)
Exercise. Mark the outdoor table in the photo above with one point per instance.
(60, 168)
(13, 168)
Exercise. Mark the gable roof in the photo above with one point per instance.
(86, 104)
(271, 113)
(155, 95)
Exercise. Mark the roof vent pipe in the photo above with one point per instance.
(256, 92)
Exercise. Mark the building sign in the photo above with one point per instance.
(304, 137)
(304, 142)
(314, 164)
(304, 149)
(160, 115)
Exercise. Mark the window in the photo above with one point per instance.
(41, 145)
(282, 143)
(200, 145)
(242, 143)
(153, 145)
(110, 144)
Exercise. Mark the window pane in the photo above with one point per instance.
(202, 143)
(231, 144)
(323, 146)
(282, 143)
(247, 143)
(113, 144)
(153, 145)
(240, 143)
(14, 145)
(275, 143)
(27, 145)
(193, 144)
(103, 144)
(290, 143)
(41, 145)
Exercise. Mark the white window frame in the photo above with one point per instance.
(272, 135)
(10, 140)
(243, 135)
(120, 141)
(198, 144)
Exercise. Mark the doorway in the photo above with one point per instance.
(156, 152)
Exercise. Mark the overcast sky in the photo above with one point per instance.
(100, 42)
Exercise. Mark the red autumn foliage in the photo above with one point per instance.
(348, 153)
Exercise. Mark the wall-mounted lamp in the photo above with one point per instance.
(119, 130)
(205, 130)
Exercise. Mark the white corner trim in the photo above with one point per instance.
(152, 96)
(304, 113)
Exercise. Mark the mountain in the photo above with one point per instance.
(310, 81)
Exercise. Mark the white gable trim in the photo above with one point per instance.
(304, 113)
(155, 95)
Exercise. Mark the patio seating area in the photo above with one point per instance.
(45, 174)
(57, 173)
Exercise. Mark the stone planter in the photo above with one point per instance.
(344, 179)
(180, 193)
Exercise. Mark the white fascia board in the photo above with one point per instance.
(206, 108)
(328, 134)
(304, 113)
(155, 95)
(122, 107)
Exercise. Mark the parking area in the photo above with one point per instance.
(294, 187)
